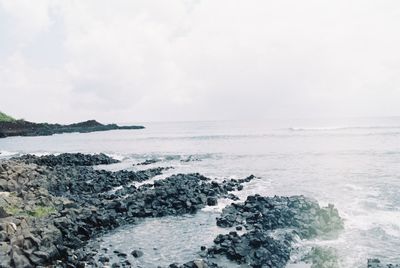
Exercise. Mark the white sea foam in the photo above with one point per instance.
(7, 154)
(44, 153)
(119, 157)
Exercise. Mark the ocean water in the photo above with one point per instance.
(351, 163)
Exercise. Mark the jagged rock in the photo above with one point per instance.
(176, 195)
(295, 216)
(61, 202)
(3, 213)
(254, 248)
(68, 159)
(270, 213)
(18, 259)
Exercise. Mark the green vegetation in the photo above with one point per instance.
(13, 210)
(6, 118)
(37, 212)
(40, 211)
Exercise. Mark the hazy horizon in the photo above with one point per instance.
(198, 60)
(328, 121)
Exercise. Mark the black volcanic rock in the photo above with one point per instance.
(25, 128)
(148, 162)
(68, 159)
(273, 224)
(137, 253)
(376, 263)
(271, 213)
(54, 205)
(255, 248)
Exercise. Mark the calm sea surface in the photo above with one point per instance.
(354, 164)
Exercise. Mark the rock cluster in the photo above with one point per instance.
(52, 206)
(79, 182)
(179, 194)
(255, 248)
(263, 217)
(27, 238)
(269, 213)
(28, 242)
(376, 263)
(66, 159)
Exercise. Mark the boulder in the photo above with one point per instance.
(137, 253)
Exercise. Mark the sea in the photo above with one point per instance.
(353, 163)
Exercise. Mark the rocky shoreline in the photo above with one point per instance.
(51, 207)
(25, 128)
(297, 216)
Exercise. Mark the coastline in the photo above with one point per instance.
(53, 206)
(25, 128)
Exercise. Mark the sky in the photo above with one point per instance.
(181, 60)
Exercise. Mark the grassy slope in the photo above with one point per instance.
(5, 118)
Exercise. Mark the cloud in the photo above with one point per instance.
(190, 60)
(24, 19)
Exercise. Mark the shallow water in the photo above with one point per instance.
(353, 164)
(164, 240)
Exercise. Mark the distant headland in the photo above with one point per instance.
(13, 127)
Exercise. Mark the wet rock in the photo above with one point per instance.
(148, 162)
(104, 259)
(137, 253)
(270, 213)
(272, 224)
(254, 248)
(176, 195)
(212, 201)
(376, 263)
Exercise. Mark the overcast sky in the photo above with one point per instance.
(163, 60)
